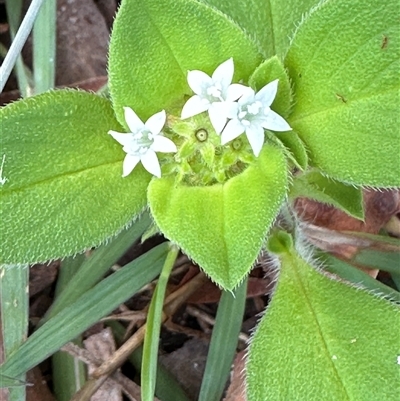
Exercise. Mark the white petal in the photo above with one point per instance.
(224, 74)
(232, 109)
(232, 130)
(255, 135)
(151, 163)
(198, 80)
(275, 122)
(195, 105)
(156, 122)
(163, 144)
(267, 94)
(134, 122)
(235, 91)
(123, 139)
(218, 115)
(247, 97)
(129, 164)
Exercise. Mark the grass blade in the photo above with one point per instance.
(14, 313)
(94, 267)
(382, 260)
(18, 42)
(357, 276)
(6, 381)
(44, 47)
(69, 374)
(396, 280)
(24, 76)
(223, 343)
(87, 310)
(153, 322)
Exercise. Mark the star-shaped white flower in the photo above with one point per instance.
(143, 141)
(252, 114)
(213, 94)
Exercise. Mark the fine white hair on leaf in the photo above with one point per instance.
(3, 180)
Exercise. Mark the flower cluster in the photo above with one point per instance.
(233, 109)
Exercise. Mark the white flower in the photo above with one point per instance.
(252, 114)
(143, 141)
(213, 94)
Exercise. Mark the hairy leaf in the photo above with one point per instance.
(322, 339)
(271, 22)
(222, 227)
(63, 191)
(344, 62)
(155, 42)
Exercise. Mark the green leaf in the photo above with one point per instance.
(344, 64)
(155, 42)
(315, 186)
(268, 71)
(222, 227)
(322, 339)
(63, 191)
(270, 22)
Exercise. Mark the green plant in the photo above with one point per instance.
(217, 195)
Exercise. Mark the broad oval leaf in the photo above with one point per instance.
(155, 42)
(322, 339)
(344, 62)
(63, 191)
(222, 227)
(271, 22)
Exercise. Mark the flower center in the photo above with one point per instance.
(140, 144)
(254, 108)
(249, 112)
(215, 91)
